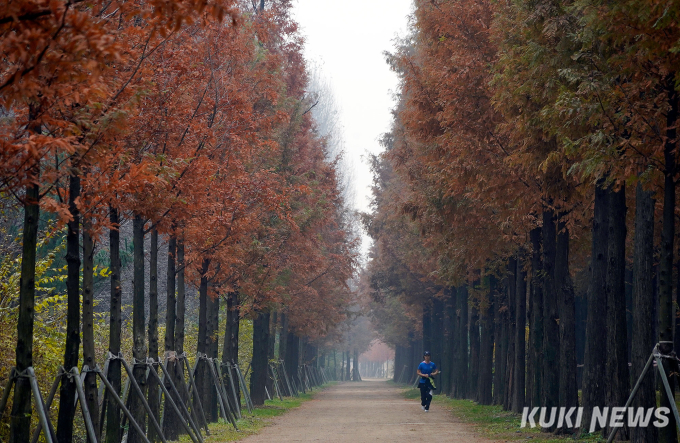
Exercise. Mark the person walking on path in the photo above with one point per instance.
(426, 369)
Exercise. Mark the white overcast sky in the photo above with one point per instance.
(348, 38)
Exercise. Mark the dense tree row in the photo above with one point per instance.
(192, 119)
(501, 200)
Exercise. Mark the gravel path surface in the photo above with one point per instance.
(368, 411)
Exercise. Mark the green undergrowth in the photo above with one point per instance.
(252, 424)
(494, 423)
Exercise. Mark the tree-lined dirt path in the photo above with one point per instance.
(369, 411)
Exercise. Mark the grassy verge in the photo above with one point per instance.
(493, 422)
(252, 424)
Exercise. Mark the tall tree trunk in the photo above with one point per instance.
(518, 396)
(230, 345)
(171, 422)
(427, 327)
(356, 376)
(153, 389)
(113, 431)
(463, 328)
(292, 356)
(203, 374)
(473, 331)
(616, 369)
(668, 434)
(180, 309)
(180, 304)
(138, 323)
(171, 297)
(451, 344)
(511, 326)
(536, 322)
(67, 394)
(273, 324)
(568, 395)
(501, 346)
(551, 332)
(284, 337)
(90, 384)
(20, 423)
(486, 346)
(596, 335)
(643, 310)
(213, 341)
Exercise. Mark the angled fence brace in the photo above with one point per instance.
(276, 381)
(7, 390)
(89, 427)
(48, 403)
(291, 388)
(168, 397)
(655, 355)
(197, 397)
(121, 405)
(139, 392)
(226, 413)
(185, 409)
(244, 389)
(237, 403)
(39, 404)
(220, 384)
(218, 373)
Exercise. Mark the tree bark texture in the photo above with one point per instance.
(20, 422)
(230, 345)
(643, 309)
(518, 395)
(139, 351)
(461, 368)
(90, 382)
(171, 422)
(668, 434)
(486, 346)
(616, 369)
(203, 374)
(511, 326)
(596, 334)
(568, 395)
(473, 328)
(501, 343)
(180, 304)
(113, 431)
(153, 389)
(536, 322)
(551, 332)
(67, 393)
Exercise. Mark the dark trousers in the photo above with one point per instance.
(425, 396)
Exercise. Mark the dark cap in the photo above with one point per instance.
(426, 353)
